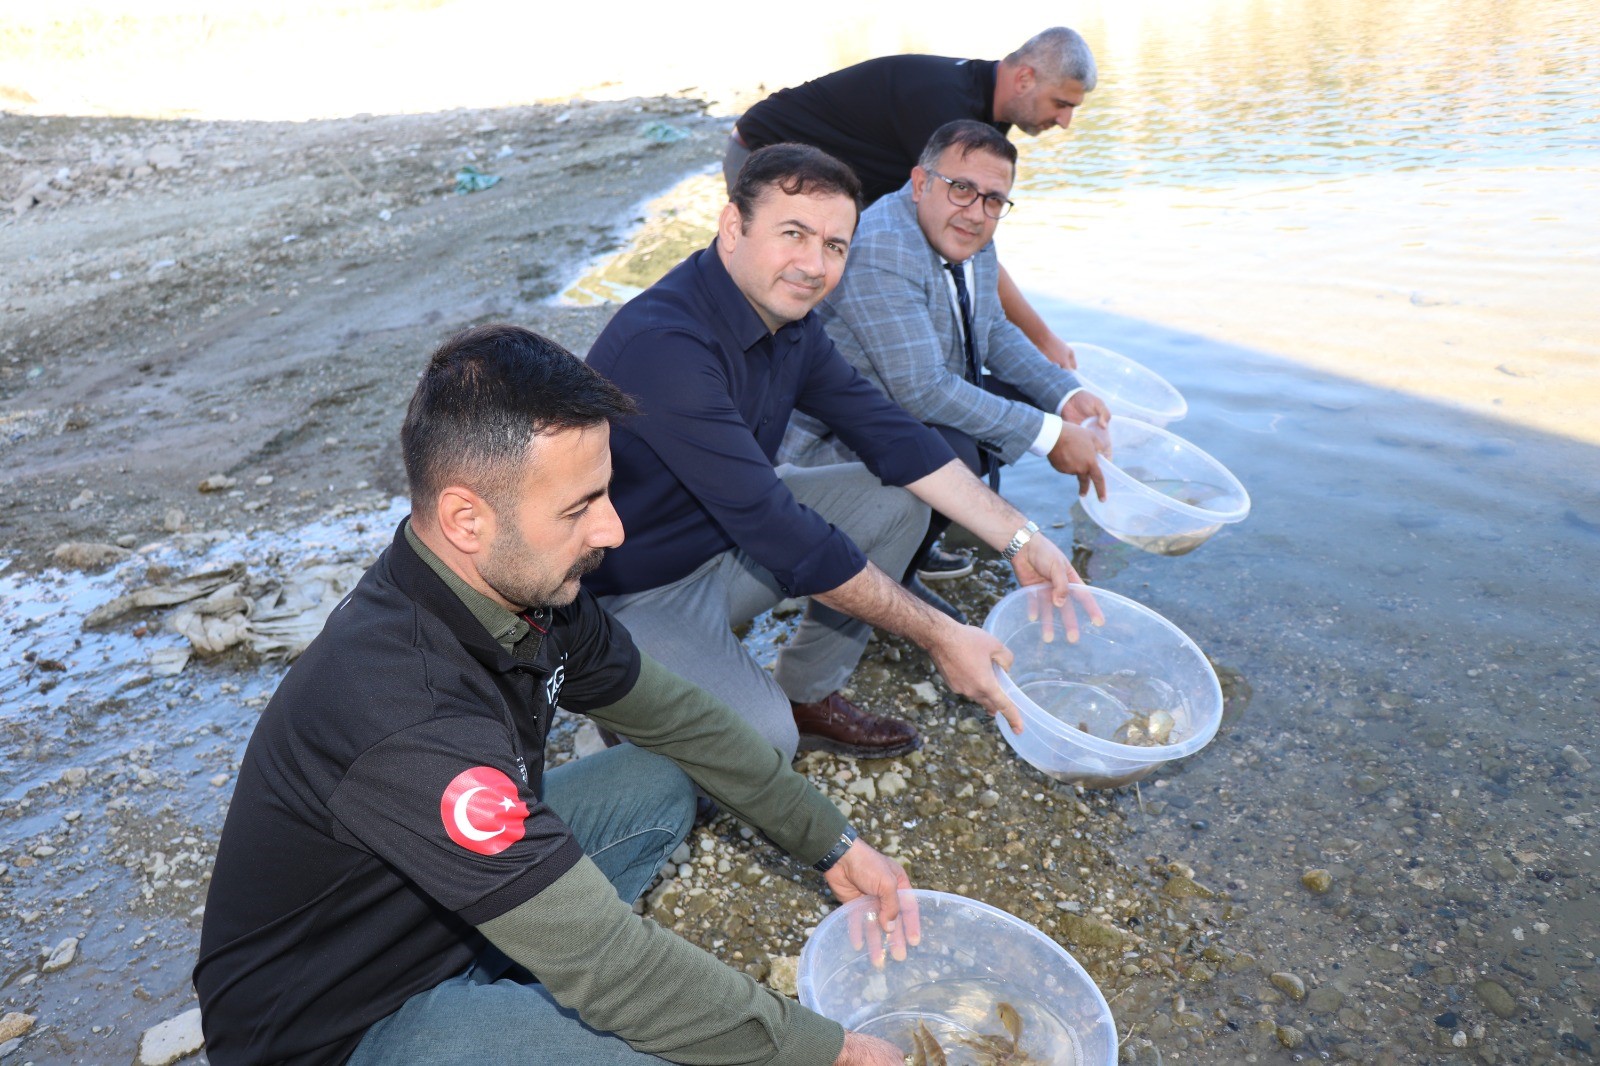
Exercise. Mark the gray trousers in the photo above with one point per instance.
(687, 625)
(733, 158)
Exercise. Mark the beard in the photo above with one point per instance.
(522, 577)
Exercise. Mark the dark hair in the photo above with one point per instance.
(486, 393)
(796, 169)
(970, 136)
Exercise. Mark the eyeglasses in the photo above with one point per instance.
(962, 195)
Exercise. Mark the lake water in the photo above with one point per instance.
(1361, 238)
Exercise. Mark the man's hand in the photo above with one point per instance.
(966, 656)
(865, 871)
(1058, 352)
(1076, 453)
(1061, 591)
(863, 1050)
(1083, 406)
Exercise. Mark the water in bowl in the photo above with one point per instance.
(1115, 707)
(1194, 493)
(965, 1018)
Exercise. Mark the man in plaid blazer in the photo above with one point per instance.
(918, 312)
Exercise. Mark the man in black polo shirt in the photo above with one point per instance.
(719, 354)
(877, 115)
(396, 862)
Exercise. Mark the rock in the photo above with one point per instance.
(1385, 959)
(174, 1039)
(62, 956)
(988, 798)
(783, 974)
(1574, 760)
(587, 741)
(864, 787)
(1290, 1037)
(788, 608)
(891, 784)
(1324, 1000)
(681, 854)
(74, 776)
(217, 482)
(1318, 881)
(1179, 886)
(88, 555)
(924, 692)
(1289, 985)
(968, 725)
(165, 157)
(1081, 931)
(1496, 998)
(14, 1025)
(173, 520)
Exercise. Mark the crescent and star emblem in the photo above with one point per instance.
(482, 811)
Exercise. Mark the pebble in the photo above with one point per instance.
(1324, 1000)
(14, 1025)
(62, 956)
(968, 725)
(783, 974)
(1496, 998)
(174, 1039)
(88, 555)
(891, 784)
(988, 798)
(1569, 755)
(74, 776)
(173, 521)
(217, 482)
(1289, 985)
(924, 692)
(1290, 1037)
(1318, 881)
(218, 780)
(864, 787)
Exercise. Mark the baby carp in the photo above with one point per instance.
(1146, 730)
(988, 1049)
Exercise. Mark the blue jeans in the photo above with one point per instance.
(629, 808)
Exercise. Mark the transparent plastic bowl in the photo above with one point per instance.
(1088, 708)
(1128, 388)
(1163, 494)
(972, 958)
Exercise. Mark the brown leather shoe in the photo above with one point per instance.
(835, 724)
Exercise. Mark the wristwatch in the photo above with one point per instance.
(835, 853)
(1018, 539)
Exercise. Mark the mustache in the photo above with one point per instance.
(586, 563)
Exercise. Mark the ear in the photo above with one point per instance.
(730, 226)
(919, 183)
(465, 520)
(1025, 78)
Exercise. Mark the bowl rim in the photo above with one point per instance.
(1173, 413)
(1128, 753)
(804, 983)
(1189, 510)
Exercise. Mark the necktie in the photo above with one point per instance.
(964, 298)
(974, 368)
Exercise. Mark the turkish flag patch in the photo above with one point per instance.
(482, 812)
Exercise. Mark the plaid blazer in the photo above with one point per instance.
(893, 318)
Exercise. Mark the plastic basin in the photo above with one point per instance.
(1088, 708)
(972, 958)
(1163, 494)
(1128, 387)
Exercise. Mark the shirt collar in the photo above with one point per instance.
(504, 626)
(729, 302)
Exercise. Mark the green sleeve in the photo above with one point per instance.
(626, 975)
(727, 758)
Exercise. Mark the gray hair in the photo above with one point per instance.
(1057, 55)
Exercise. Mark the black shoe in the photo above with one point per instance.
(941, 565)
(934, 600)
